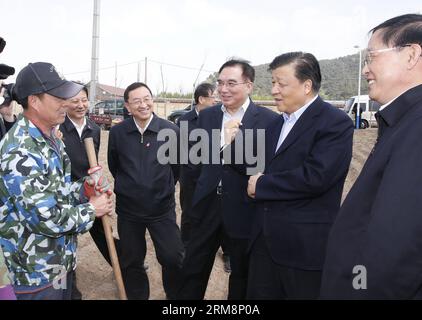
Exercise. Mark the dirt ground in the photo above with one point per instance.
(95, 276)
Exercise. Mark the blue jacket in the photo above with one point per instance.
(299, 195)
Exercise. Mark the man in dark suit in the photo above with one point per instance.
(220, 203)
(308, 152)
(204, 97)
(189, 173)
(145, 186)
(375, 248)
(75, 128)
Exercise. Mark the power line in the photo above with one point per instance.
(179, 66)
(104, 68)
(137, 62)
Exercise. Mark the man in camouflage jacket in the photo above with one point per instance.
(40, 208)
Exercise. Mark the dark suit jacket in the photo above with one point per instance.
(189, 173)
(237, 208)
(75, 147)
(144, 187)
(299, 196)
(380, 222)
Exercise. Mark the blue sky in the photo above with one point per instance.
(185, 33)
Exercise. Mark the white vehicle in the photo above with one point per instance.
(368, 108)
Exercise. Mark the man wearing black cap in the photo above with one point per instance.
(42, 211)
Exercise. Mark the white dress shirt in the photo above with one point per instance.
(146, 127)
(289, 122)
(227, 117)
(79, 128)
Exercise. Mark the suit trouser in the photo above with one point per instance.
(98, 235)
(239, 263)
(271, 281)
(165, 235)
(206, 236)
(186, 194)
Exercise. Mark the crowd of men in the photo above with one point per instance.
(267, 186)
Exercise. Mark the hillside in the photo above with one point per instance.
(339, 79)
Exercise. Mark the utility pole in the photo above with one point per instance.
(359, 85)
(138, 78)
(95, 55)
(162, 79)
(115, 88)
(195, 83)
(146, 70)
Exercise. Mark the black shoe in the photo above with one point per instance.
(226, 260)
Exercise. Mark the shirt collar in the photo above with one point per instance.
(296, 115)
(142, 131)
(390, 102)
(406, 100)
(242, 109)
(77, 126)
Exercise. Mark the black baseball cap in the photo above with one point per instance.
(42, 77)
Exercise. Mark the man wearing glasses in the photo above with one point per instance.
(144, 190)
(204, 97)
(375, 248)
(220, 204)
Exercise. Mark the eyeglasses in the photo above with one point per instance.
(229, 84)
(139, 102)
(371, 54)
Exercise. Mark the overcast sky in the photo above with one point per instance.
(186, 33)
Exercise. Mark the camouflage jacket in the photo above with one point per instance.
(40, 210)
(4, 279)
